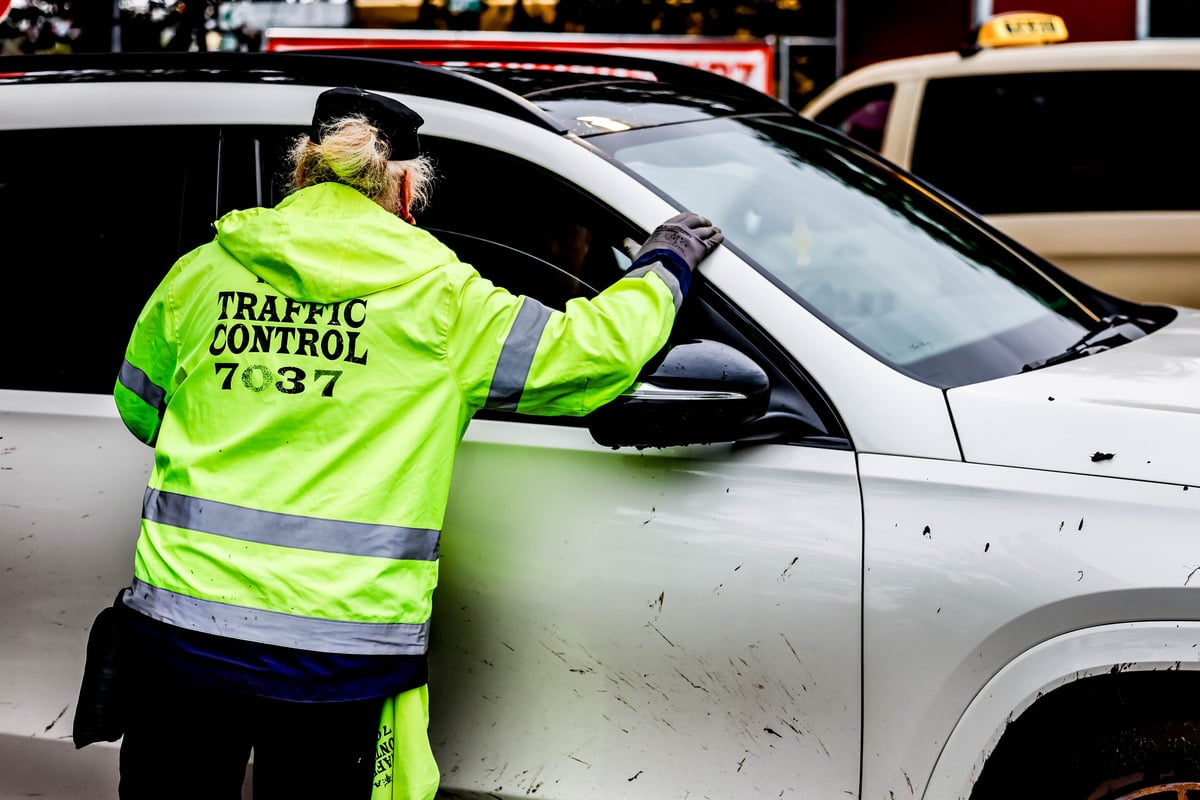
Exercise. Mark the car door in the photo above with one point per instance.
(635, 622)
(611, 622)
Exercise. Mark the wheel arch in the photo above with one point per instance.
(1062, 675)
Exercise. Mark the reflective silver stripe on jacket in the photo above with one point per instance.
(290, 530)
(277, 628)
(140, 384)
(516, 357)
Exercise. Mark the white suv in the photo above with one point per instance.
(902, 510)
(1083, 151)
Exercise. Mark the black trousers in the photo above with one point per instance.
(191, 743)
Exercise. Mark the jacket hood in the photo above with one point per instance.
(328, 243)
(1130, 412)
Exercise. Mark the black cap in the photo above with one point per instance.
(397, 122)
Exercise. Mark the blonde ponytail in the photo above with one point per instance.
(353, 153)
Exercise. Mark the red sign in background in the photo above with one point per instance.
(5, 5)
(751, 61)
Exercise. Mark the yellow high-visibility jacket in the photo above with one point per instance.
(306, 378)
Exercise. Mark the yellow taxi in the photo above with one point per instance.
(1084, 152)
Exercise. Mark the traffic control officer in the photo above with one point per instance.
(305, 379)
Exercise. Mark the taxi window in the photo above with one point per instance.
(861, 115)
(1062, 142)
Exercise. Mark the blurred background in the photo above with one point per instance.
(812, 41)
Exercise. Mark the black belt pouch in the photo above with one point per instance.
(100, 711)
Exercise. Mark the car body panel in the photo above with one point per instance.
(616, 615)
(72, 477)
(1120, 413)
(976, 586)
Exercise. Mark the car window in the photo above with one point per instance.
(861, 115)
(93, 218)
(253, 165)
(552, 242)
(553, 221)
(1060, 142)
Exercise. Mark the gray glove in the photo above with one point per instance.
(684, 239)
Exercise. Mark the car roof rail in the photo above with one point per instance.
(426, 72)
(597, 66)
(318, 69)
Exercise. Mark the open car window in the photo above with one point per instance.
(571, 243)
(521, 273)
(552, 244)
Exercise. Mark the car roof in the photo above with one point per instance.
(548, 89)
(1146, 54)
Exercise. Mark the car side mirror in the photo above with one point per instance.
(702, 392)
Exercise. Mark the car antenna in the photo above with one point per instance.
(970, 45)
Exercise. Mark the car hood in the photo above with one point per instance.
(1130, 412)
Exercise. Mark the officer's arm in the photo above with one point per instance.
(530, 359)
(513, 353)
(144, 383)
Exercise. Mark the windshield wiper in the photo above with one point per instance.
(1109, 332)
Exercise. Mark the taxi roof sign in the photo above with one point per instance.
(1021, 28)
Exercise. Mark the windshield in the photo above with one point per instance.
(886, 262)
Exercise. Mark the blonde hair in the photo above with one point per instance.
(352, 152)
